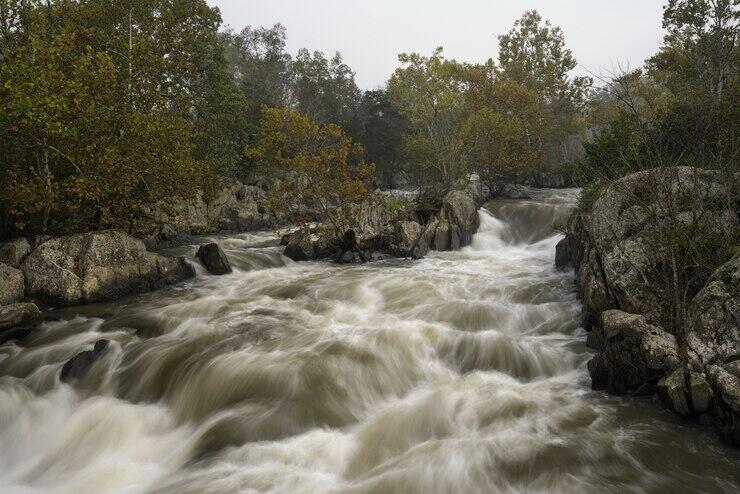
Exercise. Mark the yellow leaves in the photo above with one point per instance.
(315, 166)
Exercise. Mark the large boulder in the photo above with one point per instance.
(407, 240)
(725, 381)
(686, 392)
(214, 259)
(17, 314)
(12, 286)
(613, 241)
(12, 253)
(635, 354)
(714, 333)
(93, 267)
(303, 245)
(460, 210)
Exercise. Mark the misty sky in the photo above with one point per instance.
(603, 34)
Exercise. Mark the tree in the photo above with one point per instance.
(429, 93)
(534, 54)
(498, 139)
(325, 90)
(381, 131)
(318, 168)
(261, 67)
(105, 106)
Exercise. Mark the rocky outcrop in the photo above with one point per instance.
(635, 354)
(407, 240)
(77, 366)
(92, 267)
(233, 207)
(457, 221)
(686, 392)
(12, 286)
(305, 245)
(382, 231)
(12, 253)
(714, 334)
(213, 257)
(619, 249)
(17, 315)
(725, 381)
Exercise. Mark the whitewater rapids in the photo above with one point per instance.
(461, 372)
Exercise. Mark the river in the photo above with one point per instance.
(461, 372)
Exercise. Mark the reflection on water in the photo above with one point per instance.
(462, 372)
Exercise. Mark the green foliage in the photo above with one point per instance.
(429, 93)
(108, 107)
(534, 54)
(318, 169)
(681, 110)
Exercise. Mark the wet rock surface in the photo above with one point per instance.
(213, 257)
(98, 266)
(13, 315)
(411, 235)
(77, 366)
(611, 245)
(725, 382)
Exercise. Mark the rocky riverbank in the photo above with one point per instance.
(660, 327)
(79, 269)
(384, 231)
(107, 265)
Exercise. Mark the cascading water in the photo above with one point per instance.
(462, 372)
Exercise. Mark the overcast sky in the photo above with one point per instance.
(370, 34)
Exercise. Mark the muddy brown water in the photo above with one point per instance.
(461, 372)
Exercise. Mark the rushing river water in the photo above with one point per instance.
(461, 372)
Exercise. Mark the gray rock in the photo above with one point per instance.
(406, 240)
(636, 354)
(17, 314)
(459, 208)
(725, 381)
(442, 236)
(12, 286)
(567, 253)
(715, 316)
(92, 267)
(305, 246)
(12, 253)
(214, 259)
(77, 366)
(686, 392)
(232, 207)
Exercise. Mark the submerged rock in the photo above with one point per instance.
(12, 253)
(214, 259)
(76, 367)
(17, 314)
(92, 267)
(12, 286)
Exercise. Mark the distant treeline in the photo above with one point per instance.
(108, 107)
